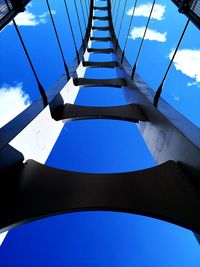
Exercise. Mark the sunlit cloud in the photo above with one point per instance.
(12, 102)
(152, 35)
(27, 18)
(188, 61)
(144, 11)
(2, 237)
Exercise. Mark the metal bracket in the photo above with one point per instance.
(101, 39)
(106, 64)
(100, 18)
(101, 50)
(131, 112)
(32, 190)
(119, 82)
(99, 28)
(103, 8)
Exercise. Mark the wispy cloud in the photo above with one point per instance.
(188, 61)
(151, 35)
(27, 18)
(144, 11)
(12, 102)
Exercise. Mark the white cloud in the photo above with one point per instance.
(188, 61)
(27, 18)
(177, 98)
(189, 84)
(151, 35)
(2, 237)
(144, 11)
(12, 102)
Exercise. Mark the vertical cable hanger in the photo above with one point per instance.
(72, 32)
(83, 16)
(117, 14)
(143, 38)
(79, 23)
(115, 8)
(113, 5)
(86, 7)
(58, 41)
(160, 88)
(129, 29)
(40, 87)
(120, 27)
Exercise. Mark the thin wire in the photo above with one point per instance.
(83, 15)
(86, 7)
(117, 14)
(120, 27)
(41, 89)
(58, 41)
(143, 38)
(160, 88)
(79, 22)
(72, 32)
(129, 29)
(115, 8)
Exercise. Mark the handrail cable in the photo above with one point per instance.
(121, 23)
(58, 41)
(143, 38)
(72, 32)
(79, 23)
(160, 88)
(129, 29)
(41, 89)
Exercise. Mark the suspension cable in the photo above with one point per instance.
(121, 23)
(160, 88)
(143, 38)
(79, 23)
(58, 41)
(117, 14)
(72, 32)
(115, 8)
(86, 7)
(129, 29)
(83, 15)
(41, 89)
(113, 5)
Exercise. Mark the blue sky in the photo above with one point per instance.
(100, 238)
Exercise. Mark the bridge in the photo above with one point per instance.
(24, 177)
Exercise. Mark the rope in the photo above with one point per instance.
(58, 41)
(41, 89)
(160, 88)
(141, 44)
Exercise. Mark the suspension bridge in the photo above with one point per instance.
(24, 176)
